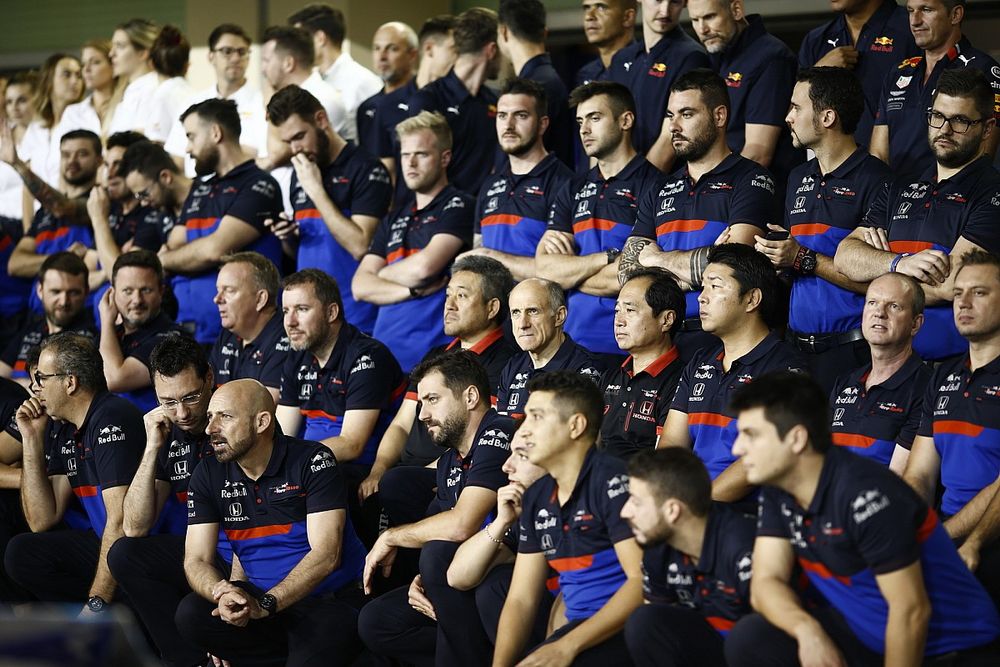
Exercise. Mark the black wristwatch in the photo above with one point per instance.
(268, 603)
(613, 254)
(96, 604)
(414, 293)
(805, 262)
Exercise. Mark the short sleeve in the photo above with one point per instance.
(324, 484)
(612, 492)
(754, 203)
(774, 88)
(374, 191)
(456, 219)
(380, 239)
(914, 416)
(271, 371)
(201, 504)
(883, 524)
(371, 380)
(119, 440)
(981, 226)
(492, 451)
(927, 408)
(877, 214)
(769, 520)
(561, 211)
(645, 217)
(258, 200)
(654, 575)
(288, 393)
(368, 122)
(881, 112)
(527, 539)
(152, 230)
(35, 222)
(162, 460)
(683, 391)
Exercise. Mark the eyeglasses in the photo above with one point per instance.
(143, 195)
(958, 124)
(188, 401)
(41, 377)
(229, 52)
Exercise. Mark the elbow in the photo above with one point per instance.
(39, 524)
(459, 579)
(461, 532)
(360, 287)
(18, 266)
(133, 528)
(916, 614)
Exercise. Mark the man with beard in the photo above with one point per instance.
(153, 178)
(609, 26)
(593, 215)
(281, 503)
(455, 394)
(62, 289)
(339, 192)
(514, 204)
(717, 195)
(696, 562)
(920, 227)
(150, 567)
(222, 214)
(134, 299)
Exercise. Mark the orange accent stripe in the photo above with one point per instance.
(810, 229)
(720, 624)
(307, 213)
(319, 414)
(20, 365)
(182, 496)
(552, 583)
(822, 571)
(50, 235)
(85, 491)
(594, 223)
(912, 247)
(260, 531)
(487, 340)
(571, 564)
(957, 428)
(928, 526)
(412, 396)
(5, 243)
(709, 419)
(853, 440)
(681, 226)
(500, 219)
(400, 254)
(200, 223)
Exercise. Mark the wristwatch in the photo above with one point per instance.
(613, 254)
(414, 293)
(268, 603)
(96, 604)
(805, 262)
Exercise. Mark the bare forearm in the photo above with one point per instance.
(661, 153)
(923, 484)
(345, 231)
(104, 583)
(987, 529)
(827, 270)
(602, 283)
(905, 635)
(203, 575)
(731, 485)
(304, 577)
(10, 477)
(390, 450)
(448, 526)
(513, 629)
(38, 500)
(778, 603)
(521, 267)
(609, 620)
(409, 272)
(569, 270)
(968, 518)
(677, 262)
(343, 448)
(25, 264)
(375, 289)
(50, 198)
(477, 555)
(861, 262)
(107, 250)
(628, 263)
(139, 506)
(192, 257)
(111, 351)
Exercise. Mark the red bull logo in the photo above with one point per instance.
(658, 70)
(734, 79)
(882, 44)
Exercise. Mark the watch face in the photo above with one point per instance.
(96, 604)
(268, 603)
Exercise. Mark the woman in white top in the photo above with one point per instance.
(95, 111)
(60, 84)
(169, 55)
(20, 110)
(130, 51)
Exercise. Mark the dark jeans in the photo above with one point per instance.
(666, 635)
(57, 566)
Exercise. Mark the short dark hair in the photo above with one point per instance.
(174, 354)
(495, 279)
(218, 112)
(143, 259)
(77, 355)
(524, 18)
(752, 270)
(474, 29)
(967, 83)
(316, 16)
(573, 393)
(520, 86)
(979, 257)
(170, 52)
(227, 29)
(436, 27)
(674, 472)
(86, 135)
(262, 271)
(148, 158)
(125, 139)
(324, 287)
(460, 370)
(25, 77)
(619, 97)
(789, 399)
(295, 42)
(838, 89)
(712, 87)
(292, 101)
(64, 262)
(663, 293)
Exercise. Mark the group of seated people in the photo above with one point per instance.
(416, 373)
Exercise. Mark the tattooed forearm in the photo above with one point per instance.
(629, 262)
(50, 199)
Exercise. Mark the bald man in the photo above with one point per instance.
(283, 506)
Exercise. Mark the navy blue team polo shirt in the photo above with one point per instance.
(683, 215)
(512, 393)
(472, 120)
(961, 412)
(865, 521)
(14, 292)
(413, 326)
(245, 192)
(907, 98)
(512, 209)
(358, 184)
(139, 345)
(481, 466)
(361, 374)
(377, 120)
(559, 137)
(923, 214)
(15, 354)
(600, 214)
(718, 586)
(595, 69)
(265, 519)
(12, 395)
(636, 404)
(53, 234)
(649, 75)
(578, 538)
(882, 43)
(821, 210)
(262, 359)
(102, 454)
(145, 226)
(706, 389)
(175, 463)
(871, 422)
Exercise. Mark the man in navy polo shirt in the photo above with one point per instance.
(738, 304)
(825, 201)
(696, 562)
(404, 272)
(877, 553)
(454, 391)
(877, 407)
(609, 26)
(650, 74)
(395, 52)
(463, 98)
(717, 194)
(921, 227)
(339, 193)
(521, 39)
(135, 298)
(869, 37)
(594, 213)
(253, 343)
(514, 203)
(149, 567)
(95, 462)
(537, 317)
(222, 214)
(571, 522)
(638, 393)
(154, 179)
(898, 136)
(281, 502)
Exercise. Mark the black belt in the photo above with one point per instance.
(818, 343)
(691, 324)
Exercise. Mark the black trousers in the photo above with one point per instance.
(391, 628)
(612, 651)
(491, 593)
(988, 571)
(57, 566)
(666, 635)
(826, 366)
(404, 494)
(316, 631)
(11, 523)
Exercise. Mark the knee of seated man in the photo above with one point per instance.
(435, 557)
(120, 556)
(19, 556)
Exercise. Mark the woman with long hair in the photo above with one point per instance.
(95, 111)
(170, 56)
(131, 47)
(60, 84)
